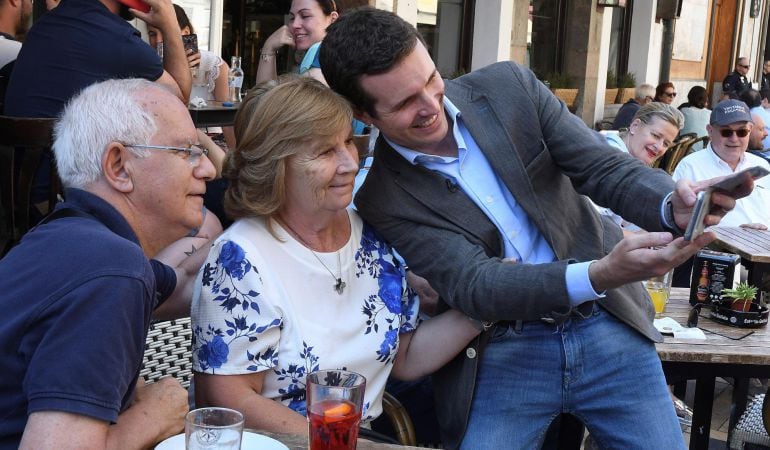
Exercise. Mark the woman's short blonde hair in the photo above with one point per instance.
(662, 111)
(275, 121)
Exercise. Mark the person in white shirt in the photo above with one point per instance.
(729, 129)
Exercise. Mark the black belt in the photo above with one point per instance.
(581, 311)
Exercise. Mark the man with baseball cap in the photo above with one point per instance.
(729, 130)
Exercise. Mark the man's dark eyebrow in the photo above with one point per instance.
(406, 100)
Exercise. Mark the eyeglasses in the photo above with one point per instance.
(193, 153)
(741, 65)
(670, 94)
(741, 132)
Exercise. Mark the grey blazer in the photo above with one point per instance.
(547, 158)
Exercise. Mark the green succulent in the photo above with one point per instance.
(744, 291)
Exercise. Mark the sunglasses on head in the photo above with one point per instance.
(741, 132)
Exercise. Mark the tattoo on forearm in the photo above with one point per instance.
(192, 250)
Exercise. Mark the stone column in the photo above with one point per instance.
(491, 32)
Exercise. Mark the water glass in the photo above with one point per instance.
(213, 429)
(334, 402)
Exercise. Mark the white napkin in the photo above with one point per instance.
(667, 325)
(197, 102)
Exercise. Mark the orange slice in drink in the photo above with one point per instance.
(339, 410)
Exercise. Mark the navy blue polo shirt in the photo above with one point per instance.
(77, 296)
(77, 44)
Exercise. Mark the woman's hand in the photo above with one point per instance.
(278, 39)
(193, 59)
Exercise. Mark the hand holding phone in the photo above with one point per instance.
(696, 226)
(190, 42)
(727, 185)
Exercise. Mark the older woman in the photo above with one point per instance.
(299, 283)
(652, 131)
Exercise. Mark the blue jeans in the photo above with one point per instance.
(597, 369)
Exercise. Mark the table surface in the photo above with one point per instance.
(752, 245)
(212, 105)
(299, 442)
(753, 349)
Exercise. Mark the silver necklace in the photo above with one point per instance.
(339, 285)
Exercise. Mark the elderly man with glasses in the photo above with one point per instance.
(79, 290)
(737, 81)
(730, 130)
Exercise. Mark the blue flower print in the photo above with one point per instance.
(231, 266)
(388, 345)
(391, 286)
(233, 259)
(214, 353)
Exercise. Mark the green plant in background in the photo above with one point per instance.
(559, 80)
(612, 80)
(626, 80)
(743, 295)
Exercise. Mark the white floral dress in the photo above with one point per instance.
(266, 305)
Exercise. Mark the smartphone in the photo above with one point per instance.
(696, 226)
(138, 5)
(190, 42)
(733, 181)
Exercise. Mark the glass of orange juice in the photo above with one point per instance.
(659, 288)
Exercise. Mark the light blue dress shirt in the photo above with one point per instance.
(471, 172)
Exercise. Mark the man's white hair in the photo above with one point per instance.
(101, 113)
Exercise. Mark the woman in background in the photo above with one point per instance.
(665, 93)
(308, 20)
(696, 114)
(209, 70)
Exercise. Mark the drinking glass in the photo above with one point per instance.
(334, 402)
(213, 429)
(659, 289)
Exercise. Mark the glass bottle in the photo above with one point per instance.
(703, 283)
(235, 79)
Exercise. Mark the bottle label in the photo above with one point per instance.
(236, 82)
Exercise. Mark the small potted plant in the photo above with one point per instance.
(611, 92)
(743, 295)
(626, 87)
(562, 86)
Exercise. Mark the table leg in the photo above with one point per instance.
(701, 418)
(740, 393)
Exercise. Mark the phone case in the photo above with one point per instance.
(190, 42)
(695, 227)
(138, 5)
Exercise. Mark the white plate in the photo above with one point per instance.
(250, 441)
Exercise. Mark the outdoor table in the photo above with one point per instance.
(705, 360)
(298, 442)
(754, 248)
(214, 114)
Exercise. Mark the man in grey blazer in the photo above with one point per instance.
(477, 182)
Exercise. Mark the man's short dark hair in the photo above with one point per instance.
(750, 97)
(366, 41)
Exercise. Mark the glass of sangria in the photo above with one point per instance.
(334, 402)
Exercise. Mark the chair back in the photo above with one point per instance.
(25, 144)
(683, 148)
(168, 351)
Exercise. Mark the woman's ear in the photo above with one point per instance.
(116, 163)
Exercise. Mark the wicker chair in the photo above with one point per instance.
(753, 426)
(168, 352)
